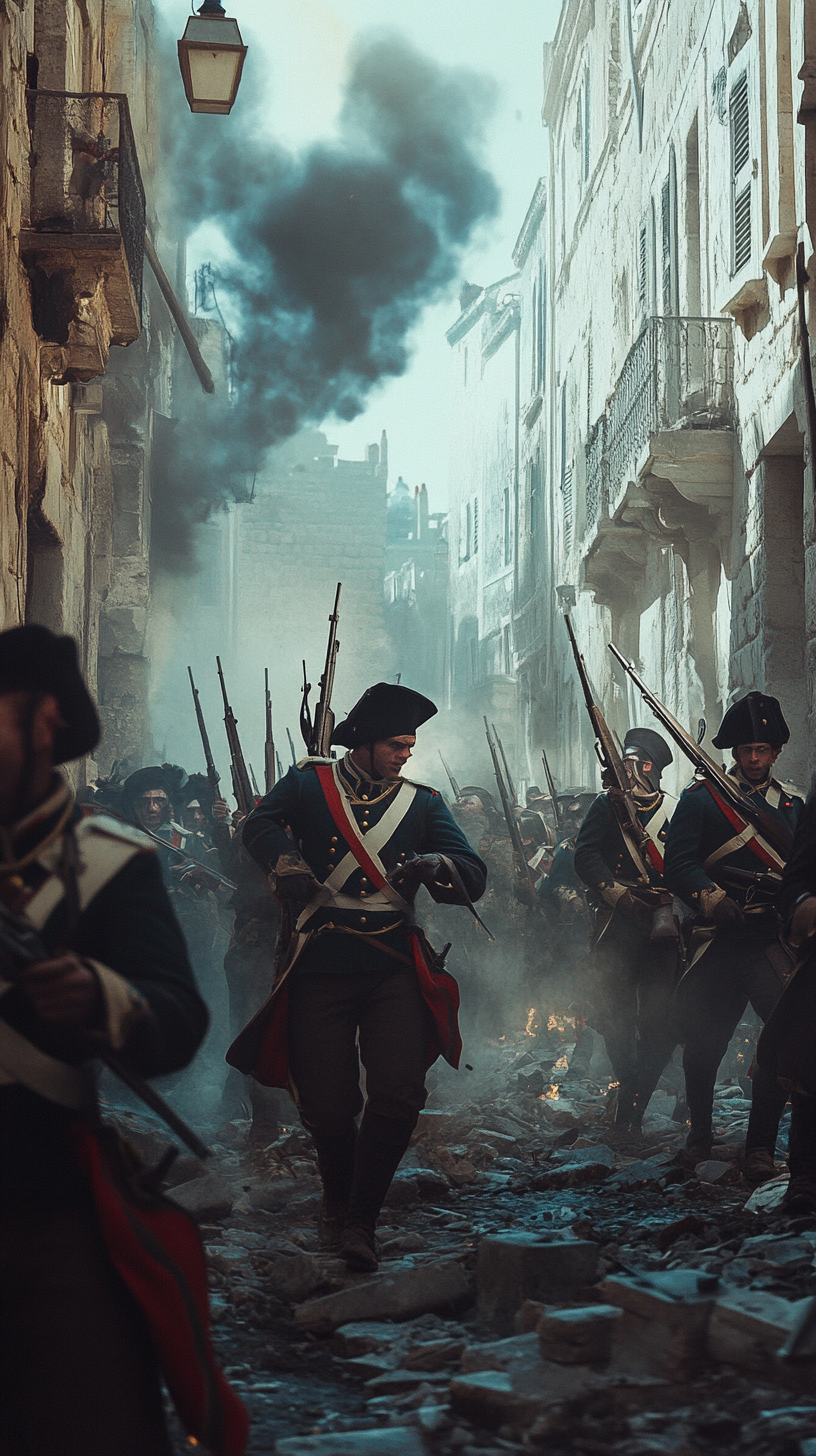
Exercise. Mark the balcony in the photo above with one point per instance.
(83, 239)
(660, 459)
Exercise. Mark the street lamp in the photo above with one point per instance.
(211, 57)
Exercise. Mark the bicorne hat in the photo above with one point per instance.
(649, 745)
(35, 660)
(756, 718)
(386, 710)
(153, 777)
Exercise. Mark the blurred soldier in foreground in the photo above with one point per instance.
(636, 948)
(745, 960)
(365, 840)
(79, 1356)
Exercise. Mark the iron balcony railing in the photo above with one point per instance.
(85, 178)
(678, 375)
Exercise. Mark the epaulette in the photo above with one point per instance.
(791, 791)
(315, 762)
(115, 829)
(695, 784)
(415, 783)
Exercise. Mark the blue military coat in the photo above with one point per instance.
(699, 828)
(600, 851)
(297, 803)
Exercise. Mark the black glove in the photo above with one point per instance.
(728, 914)
(420, 869)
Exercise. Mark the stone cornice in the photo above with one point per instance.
(531, 224)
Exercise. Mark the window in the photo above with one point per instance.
(643, 268)
(534, 348)
(739, 112)
(464, 533)
(508, 537)
(534, 476)
(506, 656)
(668, 238)
(542, 326)
(567, 503)
(475, 537)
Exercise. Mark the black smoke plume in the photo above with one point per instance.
(339, 251)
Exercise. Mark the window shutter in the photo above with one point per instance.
(475, 524)
(567, 492)
(643, 267)
(740, 171)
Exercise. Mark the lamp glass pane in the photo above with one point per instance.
(212, 74)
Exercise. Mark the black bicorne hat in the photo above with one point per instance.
(386, 710)
(649, 745)
(153, 777)
(35, 660)
(197, 787)
(756, 718)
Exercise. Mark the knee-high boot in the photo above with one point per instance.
(768, 1100)
(335, 1161)
(381, 1144)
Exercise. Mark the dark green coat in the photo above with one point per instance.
(699, 827)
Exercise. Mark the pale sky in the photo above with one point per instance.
(302, 46)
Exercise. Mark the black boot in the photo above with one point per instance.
(381, 1144)
(700, 1080)
(768, 1101)
(335, 1160)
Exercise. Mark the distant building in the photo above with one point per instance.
(664, 412)
(416, 588)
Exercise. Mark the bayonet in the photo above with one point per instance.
(508, 777)
(457, 792)
(509, 817)
(317, 732)
(551, 789)
(269, 742)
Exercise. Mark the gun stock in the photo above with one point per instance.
(775, 834)
(212, 772)
(613, 775)
(241, 785)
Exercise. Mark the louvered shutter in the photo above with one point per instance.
(741, 171)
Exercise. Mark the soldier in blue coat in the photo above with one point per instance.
(353, 952)
(745, 961)
(635, 953)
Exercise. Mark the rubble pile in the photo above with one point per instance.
(544, 1283)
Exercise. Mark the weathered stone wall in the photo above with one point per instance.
(74, 476)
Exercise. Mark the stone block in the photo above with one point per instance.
(749, 1326)
(713, 1170)
(402, 1382)
(207, 1198)
(383, 1441)
(488, 1397)
(598, 1154)
(411, 1185)
(292, 1276)
(431, 1288)
(785, 1251)
(364, 1336)
(665, 1324)
(579, 1336)
(519, 1265)
(570, 1175)
(499, 1354)
(433, 1355)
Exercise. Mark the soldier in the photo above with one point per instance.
(79, 1372)
(744, 961)
(365, 839)
(635, 953)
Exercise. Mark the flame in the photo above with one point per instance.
(562, 1065)
(551, 1094)
(532, 1025)
(552, 1024)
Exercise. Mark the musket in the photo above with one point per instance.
(292, 748)
(317, 732)
(174, 849)
(510, 818)
(254, 781)
(278, 765)
(551, 789)
(454, 786)
(776, 835)
(212, 772)
(241, 786)
(269, 742)
(614, 775)
(508, 777)
(23, 947)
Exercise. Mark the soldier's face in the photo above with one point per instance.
(194, 817)
(756, 761)
(390, 755)
(19, 759)
(152, 808)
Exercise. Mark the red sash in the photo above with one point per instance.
(737, 822)
(439, 989)
(156, 1249)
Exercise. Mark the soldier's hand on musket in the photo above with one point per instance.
(63, 991)
(420, 869)
(220, 810)
(803, 923)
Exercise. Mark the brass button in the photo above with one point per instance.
(402, 855)
(362, 894)
(332, 851)
(362, 920)
(334, 839)
(364, 881)
(365, 798)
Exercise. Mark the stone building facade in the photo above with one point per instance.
(666, 412)
(79, 126)
(416, 588)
